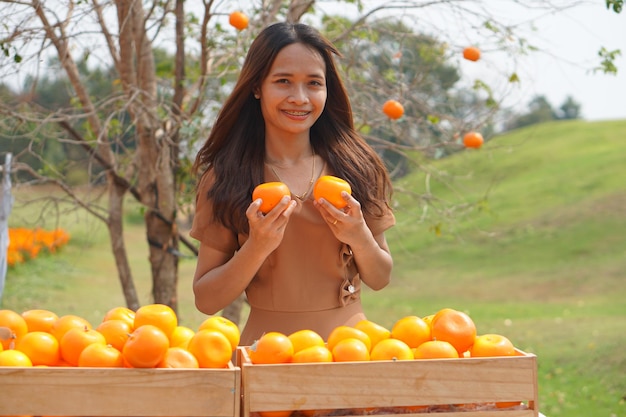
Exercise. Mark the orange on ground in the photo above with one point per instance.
(66, 322)
(115, 332)
(330, 188)
(393, 109)
(473, 140)
(351, 349)
(412, 330)
(313, 354)
(391, 349)
(98, 355)
(16, 324)
(271, 193)
(39, 320)
(159, 315)
(487, 345)
(181, 336)
(145, 347)
(238, 20)
(471, 53)
(75, 340)
(272, 347)
(177, 357)
(225, 326)
(435, 349)
(41, 348)
(211, 348)
(12, 357)
(455, 327)
(305, 338)
(121, 313)
(375, 331)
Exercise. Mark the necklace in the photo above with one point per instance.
(304, 195)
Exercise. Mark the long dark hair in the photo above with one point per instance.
(235, 149)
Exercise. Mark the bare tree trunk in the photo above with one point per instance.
(116, 235)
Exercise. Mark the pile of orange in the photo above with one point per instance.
(150, 337)
(26, 244)
(449, 333)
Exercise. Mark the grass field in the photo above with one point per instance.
(527, 235)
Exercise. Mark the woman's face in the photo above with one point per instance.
(293, 94)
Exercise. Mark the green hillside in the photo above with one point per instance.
(528, 235)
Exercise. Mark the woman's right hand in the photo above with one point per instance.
(267, 230)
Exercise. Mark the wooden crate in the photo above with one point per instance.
(65, 391)
(351, 387)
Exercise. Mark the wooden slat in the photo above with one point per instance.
(120, 392)
(389, 384)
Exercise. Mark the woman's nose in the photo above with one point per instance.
(299, 95)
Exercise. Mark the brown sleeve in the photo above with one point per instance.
(205, 227)
(380, 224)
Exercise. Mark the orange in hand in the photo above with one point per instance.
(271, 193)
(393, 109)
(471, 53)
(329, 188)
(238, 20)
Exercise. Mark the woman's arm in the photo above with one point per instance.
(221, 277)
(371, 253)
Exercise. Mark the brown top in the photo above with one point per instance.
(310, 281)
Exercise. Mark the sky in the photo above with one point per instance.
(567, 41)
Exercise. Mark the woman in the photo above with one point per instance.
(289, 119)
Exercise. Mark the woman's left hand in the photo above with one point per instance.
(345, 223)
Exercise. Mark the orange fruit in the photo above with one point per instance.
(75, 340)
(159, 315)
(507, 404)
(313, 354)
(345, 332)
(329, 188)
(351, 349)
(238, 20)
(487, 345)
(412, 330)
(145, 346)
(375, 331)
(211, 348)
(69, 321)
(455, 327)
(39, 320)
(270, 193)
(177, 357)
(471, 53)
(121, 313)
(98, 355)
(435, 349)
(393, 109)
(391, 349)
(17, 327)
(181, 336)
(285, 413)
(225, 326)
(305, 338)
(473, 140)
(271, 347)
(41, 348)
(12, 357)
(428, 319)
(115, 332)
